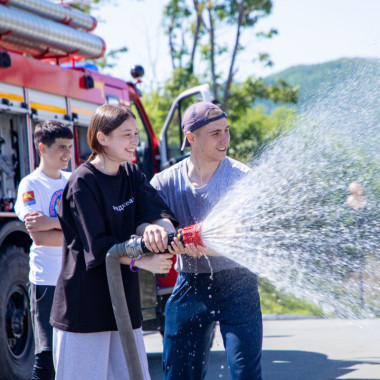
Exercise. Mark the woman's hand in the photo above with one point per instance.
(157, 263)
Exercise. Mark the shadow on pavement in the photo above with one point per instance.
(305, 365)
(277, 365)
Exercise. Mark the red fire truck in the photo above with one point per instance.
(36, 37)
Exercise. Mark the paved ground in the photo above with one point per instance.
(300, 349)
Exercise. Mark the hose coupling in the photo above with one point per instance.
(134, 247)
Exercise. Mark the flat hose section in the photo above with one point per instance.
(120, 310)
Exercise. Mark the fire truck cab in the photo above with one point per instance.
(32, 89)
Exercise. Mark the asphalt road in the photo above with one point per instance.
(300, 349)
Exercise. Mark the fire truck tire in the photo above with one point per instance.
(16, 336)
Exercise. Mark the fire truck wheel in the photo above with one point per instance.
(16, 336)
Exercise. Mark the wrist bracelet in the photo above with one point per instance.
(131, 266)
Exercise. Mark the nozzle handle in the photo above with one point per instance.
(171, 236)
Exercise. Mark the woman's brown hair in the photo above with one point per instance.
(105, 119)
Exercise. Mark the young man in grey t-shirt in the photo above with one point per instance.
(191, 188)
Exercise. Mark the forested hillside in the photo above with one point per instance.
(314, 80)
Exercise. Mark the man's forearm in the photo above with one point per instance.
(166, 223)
(210, 252)
(51, 238)
(36, 221)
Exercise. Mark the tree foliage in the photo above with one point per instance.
(194, 29)
(254, 129)
(199, 55)
(157, 103)
(88, 5)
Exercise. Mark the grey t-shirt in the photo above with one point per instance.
(191, 205)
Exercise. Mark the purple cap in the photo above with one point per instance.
(196, 116)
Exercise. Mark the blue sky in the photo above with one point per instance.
(310, 31)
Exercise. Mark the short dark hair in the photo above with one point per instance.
(50, 130)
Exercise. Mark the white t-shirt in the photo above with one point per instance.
(38, 192)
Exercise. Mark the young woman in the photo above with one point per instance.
(106, 200)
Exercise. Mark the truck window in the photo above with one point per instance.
(174, 133)
(113, 100)
(84, 150)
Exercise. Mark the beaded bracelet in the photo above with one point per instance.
(131, 266)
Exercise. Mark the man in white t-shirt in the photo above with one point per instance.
(38, 198)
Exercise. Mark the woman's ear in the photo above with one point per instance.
(102, 138)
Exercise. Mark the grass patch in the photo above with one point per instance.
(274, 301)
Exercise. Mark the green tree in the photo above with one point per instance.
(194, 26)
(253, 129)
(157, 103)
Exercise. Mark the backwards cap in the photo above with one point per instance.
(196, 116)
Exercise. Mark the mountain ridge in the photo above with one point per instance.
(315, 79)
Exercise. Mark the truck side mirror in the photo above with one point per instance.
(137, 71)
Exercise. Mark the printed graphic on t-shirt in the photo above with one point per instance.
(124, 205)
(28, 198)
(54, 203)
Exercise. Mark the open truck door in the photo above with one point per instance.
(171, 136)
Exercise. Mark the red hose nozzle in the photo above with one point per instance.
(192, 234)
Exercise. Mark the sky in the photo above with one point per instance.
(309, 32)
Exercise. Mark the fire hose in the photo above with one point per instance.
(135, 248)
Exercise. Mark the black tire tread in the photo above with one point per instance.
(14, 268)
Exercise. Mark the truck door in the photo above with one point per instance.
(171, 136)
(16, 336)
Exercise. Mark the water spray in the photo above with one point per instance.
(356, 201)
